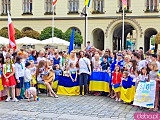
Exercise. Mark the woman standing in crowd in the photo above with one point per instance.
(84, 70)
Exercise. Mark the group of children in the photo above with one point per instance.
(124, 83)
(16, 76)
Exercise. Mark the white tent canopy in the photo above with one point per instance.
(27, 41)
(55, 41)
(4, 40)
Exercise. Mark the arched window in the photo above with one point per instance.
(76, 29)
(5, 7)
(120, 5)
(27, 6)
(151, 5)
(98, 6)
(73, 6)
(49, 7)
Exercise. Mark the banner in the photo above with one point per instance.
(145, 94)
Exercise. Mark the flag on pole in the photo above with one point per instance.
(87, 2)
(71, 45)
(124, 2)
(54, 2)
(11, 33)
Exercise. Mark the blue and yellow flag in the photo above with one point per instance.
(87, 2)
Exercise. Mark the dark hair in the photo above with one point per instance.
(154, 55)
(88, 42)
(27, 64)
(18, 59)
(35, 56)
(141, 48)
(142, 69)
(105, 56)
(1, 56)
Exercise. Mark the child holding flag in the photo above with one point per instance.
(116, 82)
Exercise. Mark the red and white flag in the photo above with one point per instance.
(54, 2)
(11, 33)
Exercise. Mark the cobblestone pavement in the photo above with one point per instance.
(67, 108)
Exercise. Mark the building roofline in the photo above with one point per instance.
(80, 18)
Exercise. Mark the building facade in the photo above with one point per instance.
(104, 19)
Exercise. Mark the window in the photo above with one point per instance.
(49, 7)
(98, 6)
(120, 6)
(5, 7)
(27, 6)
(73, 6)
(151, 6)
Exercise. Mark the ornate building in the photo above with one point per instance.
(104, 28)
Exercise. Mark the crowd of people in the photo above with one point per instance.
(25, 68)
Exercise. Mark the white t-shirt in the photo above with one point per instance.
(41, 58)
(83, 62)
(27, 75)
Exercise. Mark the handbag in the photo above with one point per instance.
(87, 65)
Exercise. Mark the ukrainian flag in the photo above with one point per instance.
(54, 83)
(116, 87)
(67, 87)
(87, 2)
(99, 81)
(127, 90)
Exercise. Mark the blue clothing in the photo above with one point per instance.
(32, 58)
(120, 63)
(105, 65)
(56, 61)
(26, 85)
(20, 85)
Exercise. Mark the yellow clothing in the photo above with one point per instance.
(1, 86)
(33, 82)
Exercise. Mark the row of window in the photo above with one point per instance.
(73, 6)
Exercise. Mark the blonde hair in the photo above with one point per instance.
(155, 66)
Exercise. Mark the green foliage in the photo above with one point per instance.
(4, 33)
(31, 33)
(47, 33)
(78, 39)
(152, 41)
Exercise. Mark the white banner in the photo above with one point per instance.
(145, 94)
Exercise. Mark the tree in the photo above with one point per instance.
(31, 33)
(47, 33)
(4, 33)
(78, 39)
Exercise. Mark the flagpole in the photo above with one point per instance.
(53, 24)
(123, 31)
(85, 25)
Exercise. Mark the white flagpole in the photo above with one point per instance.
(123, 31)
(53, 24)
(86, 25)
